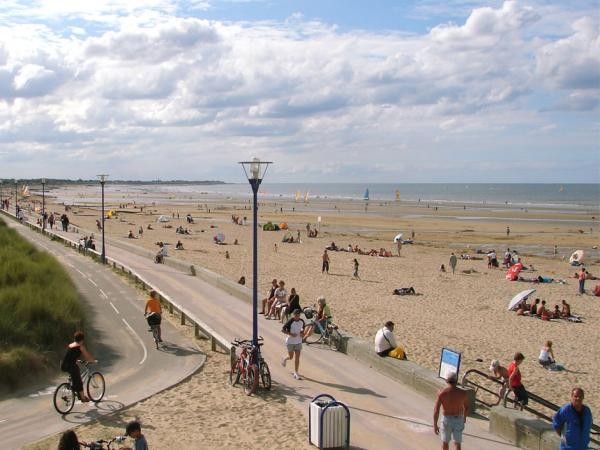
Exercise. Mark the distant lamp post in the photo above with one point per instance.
(1, 196)
(255, 171)
(43, 203)
(102, 178)
(16, 198)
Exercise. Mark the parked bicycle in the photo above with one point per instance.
(99, 444)
(328, 335)
(250, 366)
(65, 396)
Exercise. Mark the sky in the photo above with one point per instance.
(328, 90)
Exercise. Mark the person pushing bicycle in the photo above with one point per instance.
(76, 351)
(153, 312)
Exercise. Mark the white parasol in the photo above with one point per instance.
(519, 298)
(577, 256)
(398, 237)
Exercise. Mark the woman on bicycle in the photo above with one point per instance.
(75, 351)
(323, 318)
(153, 311)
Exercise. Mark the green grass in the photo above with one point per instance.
(39, 310)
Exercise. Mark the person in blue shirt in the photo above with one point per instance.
(573, 422)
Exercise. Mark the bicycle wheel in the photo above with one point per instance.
(64, 398)
(96, 387)
(155, 335)
(251, 381)
(314, 337)
(234, 374)
(265, 375)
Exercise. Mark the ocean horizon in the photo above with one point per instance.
(526, 195)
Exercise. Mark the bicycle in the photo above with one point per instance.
(154, 327)
(250, 366)
(328, 335)
(64, 395)
(99, 444)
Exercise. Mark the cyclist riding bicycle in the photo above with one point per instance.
(153, 311)
(75, 351)
(323, 319)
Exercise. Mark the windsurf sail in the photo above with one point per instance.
(397, 195)
(366, 196)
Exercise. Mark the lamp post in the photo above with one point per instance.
(16, 199)
(1, 195)
(255, 171)
(43, 203)
(103, 178)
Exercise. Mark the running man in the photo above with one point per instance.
(294, 329)
(455, 406)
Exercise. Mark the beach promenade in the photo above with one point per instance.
(384, 413)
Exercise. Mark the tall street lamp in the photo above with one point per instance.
(1, 195)
(16, 199)
(255, 171)
(43, 203)
(102, 178)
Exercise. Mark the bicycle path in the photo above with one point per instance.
(385, 414)
(117, 336)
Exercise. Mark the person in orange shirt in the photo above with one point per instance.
(153, 312)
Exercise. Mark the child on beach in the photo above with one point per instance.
(355, 274)
(134, 431)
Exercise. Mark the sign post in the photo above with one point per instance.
(449, 362)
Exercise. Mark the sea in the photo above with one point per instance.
(578, 197)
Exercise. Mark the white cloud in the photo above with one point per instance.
(125, 79)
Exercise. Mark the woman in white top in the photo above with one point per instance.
(546, 357)
(294, 329)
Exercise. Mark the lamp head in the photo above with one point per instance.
(102, 177)
(43, 181)
(255, 169)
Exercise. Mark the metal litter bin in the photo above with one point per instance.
(328, 423)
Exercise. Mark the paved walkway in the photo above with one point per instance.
(385, 414)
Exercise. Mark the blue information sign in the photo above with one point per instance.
(449, 362)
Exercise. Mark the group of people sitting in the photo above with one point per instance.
(538, 309)
(237, 220)
(373, 252)
(181, 230)
(277, 304)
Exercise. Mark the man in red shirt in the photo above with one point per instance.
(514, 379)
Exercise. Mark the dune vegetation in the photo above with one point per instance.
(39, 310)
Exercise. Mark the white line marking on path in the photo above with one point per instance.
(82, 274)
(3, 420)
(140, 340)
(93, 282)
(116, 310)
(103, 294)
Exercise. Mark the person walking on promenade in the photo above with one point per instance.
(507, 231)
(453, 261)
(294, 329)
(455, 406)
(355, 274)
(325, 266)
(514, 379)
(582, 277)
(573, 422)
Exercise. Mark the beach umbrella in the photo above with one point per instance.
(519, 298)
(398, 237)
(577, 256)
(163, 219)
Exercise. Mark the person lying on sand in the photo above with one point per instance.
(405, 291)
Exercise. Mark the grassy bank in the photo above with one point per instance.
(39, 310)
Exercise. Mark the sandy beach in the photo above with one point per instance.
(466, 311)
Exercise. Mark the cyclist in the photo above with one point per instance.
(153, 312)
(323, 319)
(75, 351)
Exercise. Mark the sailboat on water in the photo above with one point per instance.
(366, 195)
(298, 196)
(397, 195)
(306, 197)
